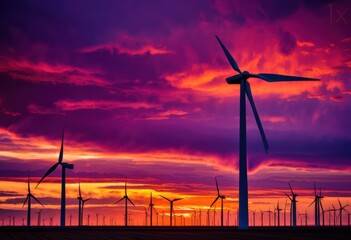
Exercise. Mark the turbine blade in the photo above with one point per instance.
(312, 202)
(36, 199)
(85, 200)
(217, 186)
(281, 78)
(322, 206)
(125, 188)
(177, 199)
(28, 186)
(48, 173)
(61, 150)
(25, 201)
(229, 57)
(288, 196)
(80, 193)
(165, 198)
(118, 200)
(315, 191)
(257, 117)
(214, 201)
(292, 192)
(339, 203)
(130, 201)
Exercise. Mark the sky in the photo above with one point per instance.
(139, 89)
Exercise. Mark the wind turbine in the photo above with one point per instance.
(278, 212)
(285, 212)
(341, 208)
(151, 207)
(269, 216)
(127, 199)
(292, 206)
(63, 183)
(242, 79)
(219, 196)
(28, 199)
(80, 200)
(171, 207)
(262, 212)
(83, 202)
(317, 205)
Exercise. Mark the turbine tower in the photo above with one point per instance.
(171, 207)
(63, 183)
(222, 197)
(292, 206)
(127, 199)
(83, 202)
(242, 79)
(28, 199)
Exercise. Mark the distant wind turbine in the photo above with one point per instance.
(171, 207)
(341, 208)
(242, 79)
(81, 206)
(28, 199)
(219, 196)
(127, 199)
(269, 216)
(292, 206)
(262, 213)
(278, 213)
(151, 207)
(317, 206)
(63, 183)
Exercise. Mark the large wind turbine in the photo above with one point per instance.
(292, 206)
(242, 79)
(63, 183)
(222, 197)
(171, 207)
(28, 199)
(127, 199)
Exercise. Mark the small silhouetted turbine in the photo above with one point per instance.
(127, 199)
(171, 207)
(219, 196)
(28, 200)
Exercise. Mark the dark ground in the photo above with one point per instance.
(174, 233)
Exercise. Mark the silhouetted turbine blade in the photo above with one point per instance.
(165, 198)
(217, 186)
(177, 199)
(48, 173)
(80, 194)
(61, 150)
(229, 57)
(257, 117)
(312, 202)
(86, 199)
(288, 196)
(118, 200)
(130, 201)
(214, 201)
(322, 206)
(36, 200)
(25, 201)
(281, 78)
(28, 185)
(292, 192)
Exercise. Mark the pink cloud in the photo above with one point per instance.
(51, 73)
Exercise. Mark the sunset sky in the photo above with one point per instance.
(139, 88)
